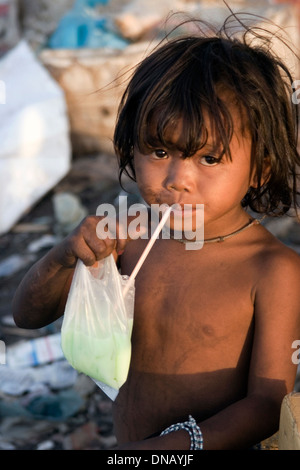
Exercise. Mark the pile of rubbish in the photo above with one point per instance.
(116, 23)
(44, 402)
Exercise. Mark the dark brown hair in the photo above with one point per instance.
(181, 79)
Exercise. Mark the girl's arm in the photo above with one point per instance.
(41, 296)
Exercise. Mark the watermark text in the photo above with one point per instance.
(185, 222)
(296, 354)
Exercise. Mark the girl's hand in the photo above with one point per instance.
(84, 243)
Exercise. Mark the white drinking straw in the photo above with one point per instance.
(146, 250)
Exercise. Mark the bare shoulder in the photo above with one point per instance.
(278, 261)
(278, 278)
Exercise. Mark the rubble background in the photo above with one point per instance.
(93, 180)
(78, 416)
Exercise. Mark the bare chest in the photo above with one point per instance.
(189, 307)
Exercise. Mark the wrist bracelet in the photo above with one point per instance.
(192, 428)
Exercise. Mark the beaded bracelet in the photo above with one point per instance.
(192, 428)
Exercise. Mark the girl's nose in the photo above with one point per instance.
(180, 175)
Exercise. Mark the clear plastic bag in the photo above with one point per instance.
(98, 320)
(97, 324)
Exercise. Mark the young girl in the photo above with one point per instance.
(204, 120)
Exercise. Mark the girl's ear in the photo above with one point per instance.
(264, 176)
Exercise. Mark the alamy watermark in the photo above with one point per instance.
(2, 352)
(185, 222)
(2, 92)
(296, 354)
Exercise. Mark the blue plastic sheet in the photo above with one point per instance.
(82, 27)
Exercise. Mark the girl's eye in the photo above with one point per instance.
(209, 160)
(160, 153)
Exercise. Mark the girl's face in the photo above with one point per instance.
(164, 177)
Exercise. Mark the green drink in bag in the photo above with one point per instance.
(104, 359)
(97, 325)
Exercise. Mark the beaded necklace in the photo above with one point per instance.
(220, 238)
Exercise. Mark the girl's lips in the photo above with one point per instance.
(180, 209)
(179, 205)
(185, 219)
